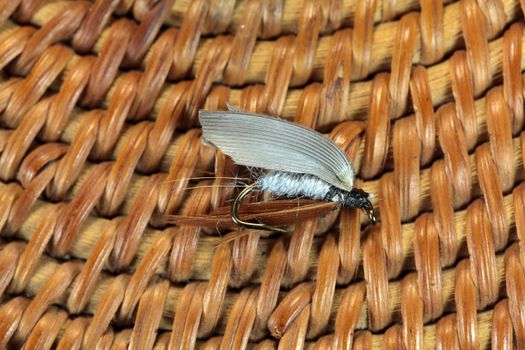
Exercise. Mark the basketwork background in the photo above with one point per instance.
(99, 137)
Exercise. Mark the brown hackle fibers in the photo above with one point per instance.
(115, 226)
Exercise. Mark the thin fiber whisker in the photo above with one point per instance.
(212, 186)
(207, 178)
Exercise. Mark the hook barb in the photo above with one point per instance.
(250, 225)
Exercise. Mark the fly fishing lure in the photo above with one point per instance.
(302, 162)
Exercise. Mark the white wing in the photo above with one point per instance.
(271, 143)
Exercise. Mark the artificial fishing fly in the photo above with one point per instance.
(302, 162)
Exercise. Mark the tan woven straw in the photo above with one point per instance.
(114, 216)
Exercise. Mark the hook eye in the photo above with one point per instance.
(371, 215)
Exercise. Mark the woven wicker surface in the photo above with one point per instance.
(99, 143)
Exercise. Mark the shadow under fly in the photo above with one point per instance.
(299, 162)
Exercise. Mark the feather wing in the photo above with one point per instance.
(266, 142)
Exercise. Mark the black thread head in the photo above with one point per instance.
(357, 198)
